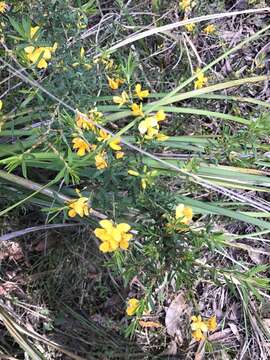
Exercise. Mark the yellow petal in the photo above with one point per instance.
(55, 46)
(127, 237)
(198, 335)
(42, 64)
(106, 224)
(179, 211)
(142, 127)
(162, 137)
(143, 183)
(113, 244)
(119, 155)
(102, 234)
(212, 323)
(116, 234)
(1, 104)
(123, 227)
(114, 144)
(124, 244)
(104, 247)
(133, 173)
(188, 212)
(160, 115)
(33, 31)
(204, 326)
(29, 49)
(82, 52)
(72, 213)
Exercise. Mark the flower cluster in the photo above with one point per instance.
(186, 5)
(149, 127)
(181, 219)
(79, 206)
(88, 123)
(147, 177)
(3, 7)
(200, 327)
(83, 61)
(113, 236)
(201, 79)
(209, 29)
(39, 55)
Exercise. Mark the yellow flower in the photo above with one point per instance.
(121, 100)
(190, 27)
(80, 146)
(40, 55)
(114, 144)
(101, 162)
(147, 124)
(198, 327)
(133, 173)
(113, 236)
(3, 7)
(141, 93)
(184, 214)
(83, 122)
(151, 133)
(160, 115)
(103, 135)
(33, 31)
(212, 323)
(79, 207)
(209, 29)
(96, 115)
(201, 79)
(137, 110)
(114, 83)
(1, 104)
(147, 177)
(132, 306)
(161, 137)
(186, 4)
(119, 155)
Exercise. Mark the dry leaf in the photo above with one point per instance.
(173, 321)
(147, 324)
(235, 330)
